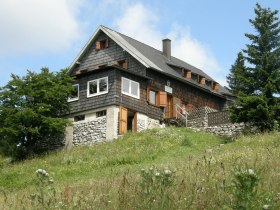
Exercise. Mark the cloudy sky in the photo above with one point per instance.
(50, 33)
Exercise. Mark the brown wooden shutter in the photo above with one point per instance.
(123, 120)
(162, 98)
(98, 45)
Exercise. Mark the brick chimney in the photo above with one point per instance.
(166, 48)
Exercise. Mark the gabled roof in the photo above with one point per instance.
(145, 54)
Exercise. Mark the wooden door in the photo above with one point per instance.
(123, 120)
(169, 107)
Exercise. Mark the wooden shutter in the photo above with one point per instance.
(123, 120)
(162, 98)
(98, 45)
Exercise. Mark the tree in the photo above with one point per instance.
(262, 73)
(30, 111)
(239, 77)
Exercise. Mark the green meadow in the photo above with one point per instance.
(171, 168)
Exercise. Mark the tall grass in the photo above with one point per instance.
(173, 168)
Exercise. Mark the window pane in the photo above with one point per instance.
(125, 85)
(152, 97)
(74, 92)
(93, 87)
(134, 88)
(103, 85)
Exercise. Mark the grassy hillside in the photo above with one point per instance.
(172, 168)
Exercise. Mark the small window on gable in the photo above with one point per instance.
(79, 118)
(130, 88)
(122, 63)
(97, 87)
(101, 113)
(100, 45)
(74, 93)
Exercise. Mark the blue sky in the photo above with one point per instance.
(207, 34)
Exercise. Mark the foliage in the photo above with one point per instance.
(245, 184)
(30, 111)
(257, 84)
(239, 77)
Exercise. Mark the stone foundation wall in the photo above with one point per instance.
(144, 122)
(227, 129)
(90, 132)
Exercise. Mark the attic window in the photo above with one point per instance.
(216, 86)
(100, 45)
(122, 63)
(201, 80)
(188, 74)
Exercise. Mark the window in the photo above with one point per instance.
(152, 97)
(158, 98)
(97, 87)
(100, 45)
(101, 113)
(79, 118)
(74, 93)
(130, 88)
(122, 63)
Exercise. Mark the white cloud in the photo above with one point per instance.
(140, 23)
(37, 25)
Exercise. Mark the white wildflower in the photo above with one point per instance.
(251, 171)
(167, 172)
(266, 206)
(42, 172)
(157, 174)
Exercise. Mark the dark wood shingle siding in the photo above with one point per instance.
(84, 103)
(108, 56)
(191, 95)
(139, 105)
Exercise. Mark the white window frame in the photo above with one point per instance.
(129, 89)
(76, 98)
(98, 93)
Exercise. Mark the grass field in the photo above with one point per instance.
(172, 168)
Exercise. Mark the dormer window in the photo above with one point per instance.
(122, 63)
(201, 80)
(187, 74)
(216, 86)
(100, 45)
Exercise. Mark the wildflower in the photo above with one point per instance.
(42, 172)
(266, 206)
(151, 168)
(157, 174)
(251, 171)
(167, 172)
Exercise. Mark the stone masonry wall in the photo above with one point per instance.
(144, 122)
(90, 132)
(227, 129)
